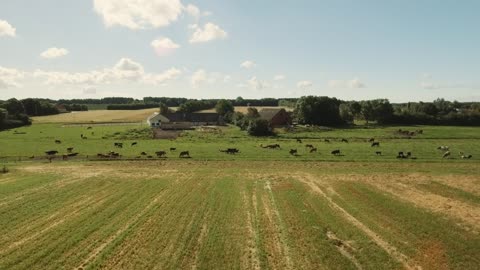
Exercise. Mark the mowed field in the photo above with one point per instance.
(97, 116)
(113, 116)
(240, 215)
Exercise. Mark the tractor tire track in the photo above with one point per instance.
(309, 180)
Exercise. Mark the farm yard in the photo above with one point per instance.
(256, 208)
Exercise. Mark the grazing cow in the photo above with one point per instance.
(134, 143)
(84, 138)
(401, 155)
(371, 140)
(293, 152)
(70, 149)
(81, 136)
(446, 154)
(270, 146)
(299, 140)
(184, 154)
(51, 153)
(336, 152)
(173, 149)
(467, 157)
(309, 146)
(160, 153)
(89, 127)
(118, 145)
(149, 156)
(93, 133)
(326, 140)
(377, 144)
(443, 148)
(232, 151)
(345, 140)
(313, 150)
(378, 153)
(409, 154)
(58, 141)
(143, 154)
(72, 155)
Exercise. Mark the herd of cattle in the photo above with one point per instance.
(310, 148)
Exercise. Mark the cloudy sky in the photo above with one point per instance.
(350, 49)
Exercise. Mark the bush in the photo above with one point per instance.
(259, 127)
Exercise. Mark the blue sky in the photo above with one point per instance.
(401, 50)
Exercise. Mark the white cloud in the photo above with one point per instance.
(458, 85)
(353, 83)
(356, 83)
(279, 77)
(256, 84)
(193, 11)
(227, 78)
(7, 29)
(168, 75)
(201, 76)
(208, 33)
(9, 77)
(89, 90)
(138, 14)
(304, 84)
(54, 53)
(164, 46)
(198, 77)
(126, 70)
(248, 64)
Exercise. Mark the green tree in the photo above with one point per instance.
(14, 107)
(259, 127)
(252, 112)
(224, 107)
(345, 113)
(318, 111)
(164, 108)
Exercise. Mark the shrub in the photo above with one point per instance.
(259, 127)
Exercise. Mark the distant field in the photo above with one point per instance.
(244, 109)
(98, 116)
(240, 215)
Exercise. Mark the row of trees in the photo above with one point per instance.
(13, 114)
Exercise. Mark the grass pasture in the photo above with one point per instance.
(204, 144)
(239, 215)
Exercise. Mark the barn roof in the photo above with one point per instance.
(269, 113)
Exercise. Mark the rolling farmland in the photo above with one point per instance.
(241, 215)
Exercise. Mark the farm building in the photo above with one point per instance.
(179, 120)
(276, 117)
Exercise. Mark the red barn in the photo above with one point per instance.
(276, 117)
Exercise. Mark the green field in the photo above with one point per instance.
(240, 215)
(204, 144)
(258, 209)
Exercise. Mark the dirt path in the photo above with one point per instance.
(279, 242)
(252, 259)
(310, 181)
